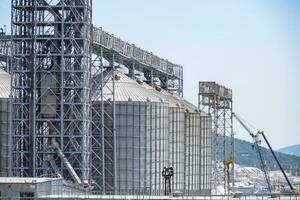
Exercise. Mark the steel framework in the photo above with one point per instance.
(55, 80)
(110, 53)
(136, 59)
(103, 122)
(5, 52)
(216, 100)
(50, 87)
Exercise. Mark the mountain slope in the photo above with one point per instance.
(245, 155)
(292, 150)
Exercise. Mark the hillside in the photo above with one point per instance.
(292, 150)
(245, 155)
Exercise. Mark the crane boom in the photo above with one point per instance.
(277, 161)
(258, 148)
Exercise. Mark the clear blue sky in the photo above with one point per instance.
(251, 46)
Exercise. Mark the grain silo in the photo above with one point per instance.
(141, 138)
(198, 138)
(154, 128)
(189, 144)
(176, 136)
(4, 122)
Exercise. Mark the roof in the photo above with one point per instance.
(20, 180)
(128, 89)
(5, 84)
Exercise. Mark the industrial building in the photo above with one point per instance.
(5, 114)
(94, 110)
(85, 114)
(35, 188)
(154, 128)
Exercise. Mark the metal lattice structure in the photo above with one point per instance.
(50, 87)
(216, 100)
(57, 64)
(109, 53)
(5, 52)
(136, 59)
(103, 124)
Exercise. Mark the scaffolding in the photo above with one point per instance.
(50, 88)
(57, 60)
(135, 59)
(103, 122)
(5, 52)
(216, 100)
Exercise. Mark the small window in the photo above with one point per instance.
(26, 195)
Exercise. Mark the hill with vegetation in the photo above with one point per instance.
(246, 155)
(292, 150)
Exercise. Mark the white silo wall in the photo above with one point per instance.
(4, 136)
(141, 130)
(192, 153)
(176, 149)
(141, 147)
(206, 154)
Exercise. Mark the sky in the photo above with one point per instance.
(250, 46)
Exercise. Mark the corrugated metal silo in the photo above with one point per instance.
(206, 153)
(4, 122)
(176, 136)
(197, 147)
(141, 138)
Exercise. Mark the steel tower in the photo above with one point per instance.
(50, 87)
(216, 100)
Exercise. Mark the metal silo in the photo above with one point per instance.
(155, 128)
(176, 136)
(189, 144)
(206, 153)
(141, 122)
(4, 123)
(197, 147)
(176, 152)
(192, 155)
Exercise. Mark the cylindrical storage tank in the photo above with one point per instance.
(206, 154)
(4, 136)
(176, 137)
(141, 142)
(5, 114)
(192, 153)
(137, 154)
(189, 145)
(176, 148)
(155, 129)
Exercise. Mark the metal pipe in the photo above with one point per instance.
(65, 161)
(277, 161)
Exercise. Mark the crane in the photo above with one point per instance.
(257, 146)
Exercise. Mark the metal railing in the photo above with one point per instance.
(111, 42)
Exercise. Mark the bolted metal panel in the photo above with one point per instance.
(206, 155)
(141, 148)
(176, 151)
(192, 153)
(50, 81)
(4, 136)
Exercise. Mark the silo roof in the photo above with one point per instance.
(4, 84)
(126, 89)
